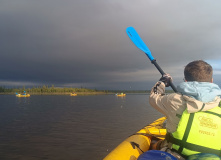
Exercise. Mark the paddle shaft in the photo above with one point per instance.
(162, 73)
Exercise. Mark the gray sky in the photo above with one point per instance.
(83, 43)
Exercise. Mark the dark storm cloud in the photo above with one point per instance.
(75, 43)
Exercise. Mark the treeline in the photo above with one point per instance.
(58, 90)
(47, 90)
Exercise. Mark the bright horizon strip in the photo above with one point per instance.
(216, 64)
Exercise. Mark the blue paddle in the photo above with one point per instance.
(131, 32)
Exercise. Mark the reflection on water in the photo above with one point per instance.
(22, 100)
(68, 127)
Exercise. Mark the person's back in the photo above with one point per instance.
(193, 113)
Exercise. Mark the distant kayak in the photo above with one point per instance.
(121, 95)
(73, 94)
(132, 147)
(22, 95)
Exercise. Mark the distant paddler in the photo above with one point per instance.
(22, 95)
(121, 94)
(73, 94)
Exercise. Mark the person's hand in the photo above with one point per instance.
(166, 78)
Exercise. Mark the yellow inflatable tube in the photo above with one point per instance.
(135, 145)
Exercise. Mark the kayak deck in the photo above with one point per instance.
(140, 142)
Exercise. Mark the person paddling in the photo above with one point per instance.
(193, 113)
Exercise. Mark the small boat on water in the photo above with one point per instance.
(73, 94)
(121, 95)
(132, 147)
(22, 95)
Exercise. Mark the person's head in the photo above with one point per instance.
(199, 71)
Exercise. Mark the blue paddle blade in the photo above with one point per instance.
(132, 33)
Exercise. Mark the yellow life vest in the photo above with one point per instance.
(198, 132)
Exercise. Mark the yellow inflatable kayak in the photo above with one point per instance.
(73, 94)
(22, 95)
(121, 95)
(136, 144)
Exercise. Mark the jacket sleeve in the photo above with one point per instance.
(162, 102)
(170, 105)
(156, 96)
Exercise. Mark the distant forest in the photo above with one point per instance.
(58, 90)
(48, 90)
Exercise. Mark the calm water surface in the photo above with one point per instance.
(69, 128)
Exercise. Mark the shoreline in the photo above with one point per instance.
(66, 93)
(81, 93)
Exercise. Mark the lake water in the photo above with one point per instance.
(69, 128)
